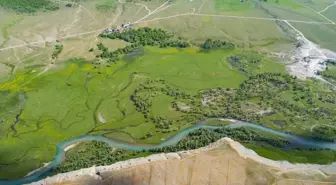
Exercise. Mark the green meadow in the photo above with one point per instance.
(142, 99)
(294, 156)
(42, 109)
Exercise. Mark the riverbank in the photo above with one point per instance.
(70, 146)
(60, 153)
(95, 173)
(38, 169)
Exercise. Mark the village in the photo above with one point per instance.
(119, 29)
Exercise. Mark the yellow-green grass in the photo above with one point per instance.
(162, 107)
(118, 135)
(294, 156)
(65, 102)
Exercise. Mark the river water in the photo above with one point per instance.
(60, 154)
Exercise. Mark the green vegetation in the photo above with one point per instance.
(148, 37)
(267, 145)
(204, 137)
(295, 155)
(324, 132)
(151, 37)
(330, 71)
(29, 6)
(150, 94)
(106, 5)
(217, 44)
(99, 153)
(94, 153)
(80, 98)
(58, 50)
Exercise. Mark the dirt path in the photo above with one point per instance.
(317, 11)
(327, 7)
(119, 12)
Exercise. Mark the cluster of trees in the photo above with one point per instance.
(245, 58)
(327, 98)
(328, 73)
(29, 6)
(144, 94)
(330, 61)
(204, 137)
(266, 85)
(58, 50)
(244, 62)
(113, 56)
(148, 37)
(94, 153)
(210, 44)
(236, 103)
(99, 153)
(143, 104)
(162, 123)
(325, 132)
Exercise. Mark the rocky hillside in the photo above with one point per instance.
(225, 162)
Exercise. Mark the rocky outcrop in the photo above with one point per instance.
(224, 162)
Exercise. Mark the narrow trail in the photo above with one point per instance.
(149, 11)
(19, 61)
(51, 40)
(327, 7)
(157, 10)
(317, 11)
(93, 17)
(200, 8)
(75, 20)
(233, 17)
(311, 45)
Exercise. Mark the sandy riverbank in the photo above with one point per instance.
(70, 146)
(44, 165)
(244, 153)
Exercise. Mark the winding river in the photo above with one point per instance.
(60, 154)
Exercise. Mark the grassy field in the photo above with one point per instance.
(29, 6)
(294, 156)
(77, 98)
(46, 101)
(323, 35)
(74, 100)
(82, 17)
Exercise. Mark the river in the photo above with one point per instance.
(60, 154)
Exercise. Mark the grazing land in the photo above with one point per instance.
(29, 6)
(146, 101)
(67, 70)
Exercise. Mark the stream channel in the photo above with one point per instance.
(60, 154)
